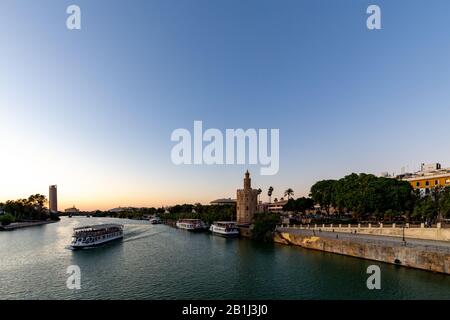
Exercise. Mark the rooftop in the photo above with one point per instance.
(100, 226)
(228, 200)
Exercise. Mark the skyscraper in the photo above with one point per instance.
(53, 198)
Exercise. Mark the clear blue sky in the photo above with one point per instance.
(93, 110)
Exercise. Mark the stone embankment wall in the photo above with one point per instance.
(438, 233)
(409, 256)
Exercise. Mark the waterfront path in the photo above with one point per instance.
(441, 246)
(20, 225)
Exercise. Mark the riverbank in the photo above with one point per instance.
(27, 224)
(414, 253)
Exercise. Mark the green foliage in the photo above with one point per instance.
(425, 209)
(32, 208)
(444, 203)
(264, 224)
(208, 214)
(289, 193)
(6, 219)
(323, 193)
(365, 195)
(299, 205)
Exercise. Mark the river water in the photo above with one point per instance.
(161, 262)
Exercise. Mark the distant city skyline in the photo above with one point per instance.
(92, 110)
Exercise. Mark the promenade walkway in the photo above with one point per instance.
(441, 246)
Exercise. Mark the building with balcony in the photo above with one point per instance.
(430, 176)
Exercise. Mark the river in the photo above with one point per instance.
(161, 262)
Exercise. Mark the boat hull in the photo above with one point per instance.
(95, 244)
(193, 225)
(193, 229)
(224, 229)
(226, 235)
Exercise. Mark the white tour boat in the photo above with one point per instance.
(91, 236)
(191, 224)
(155, 220)
(225, 228)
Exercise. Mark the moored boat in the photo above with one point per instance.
(155, 220)
(191, 224)
(91, 236)
(225, 229)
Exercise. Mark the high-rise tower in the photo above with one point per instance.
(53, 198)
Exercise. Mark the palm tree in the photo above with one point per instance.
(259, 192)
(288, 193)
(269, 193)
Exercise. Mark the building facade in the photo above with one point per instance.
(72, 210)
(53, 198)
(247, 202)
(430, 176)
(277, 206)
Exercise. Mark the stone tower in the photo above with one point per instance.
(247, 202)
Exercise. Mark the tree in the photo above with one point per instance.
(425, 209)
(323, 193)
(303, 204)
(259, 192)
(288, 193)
(32, 208)
(365, 195)
(6, 219)
(269, 193)
(299, 205)
(444, 203)
(290, 206)
(263, 226)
